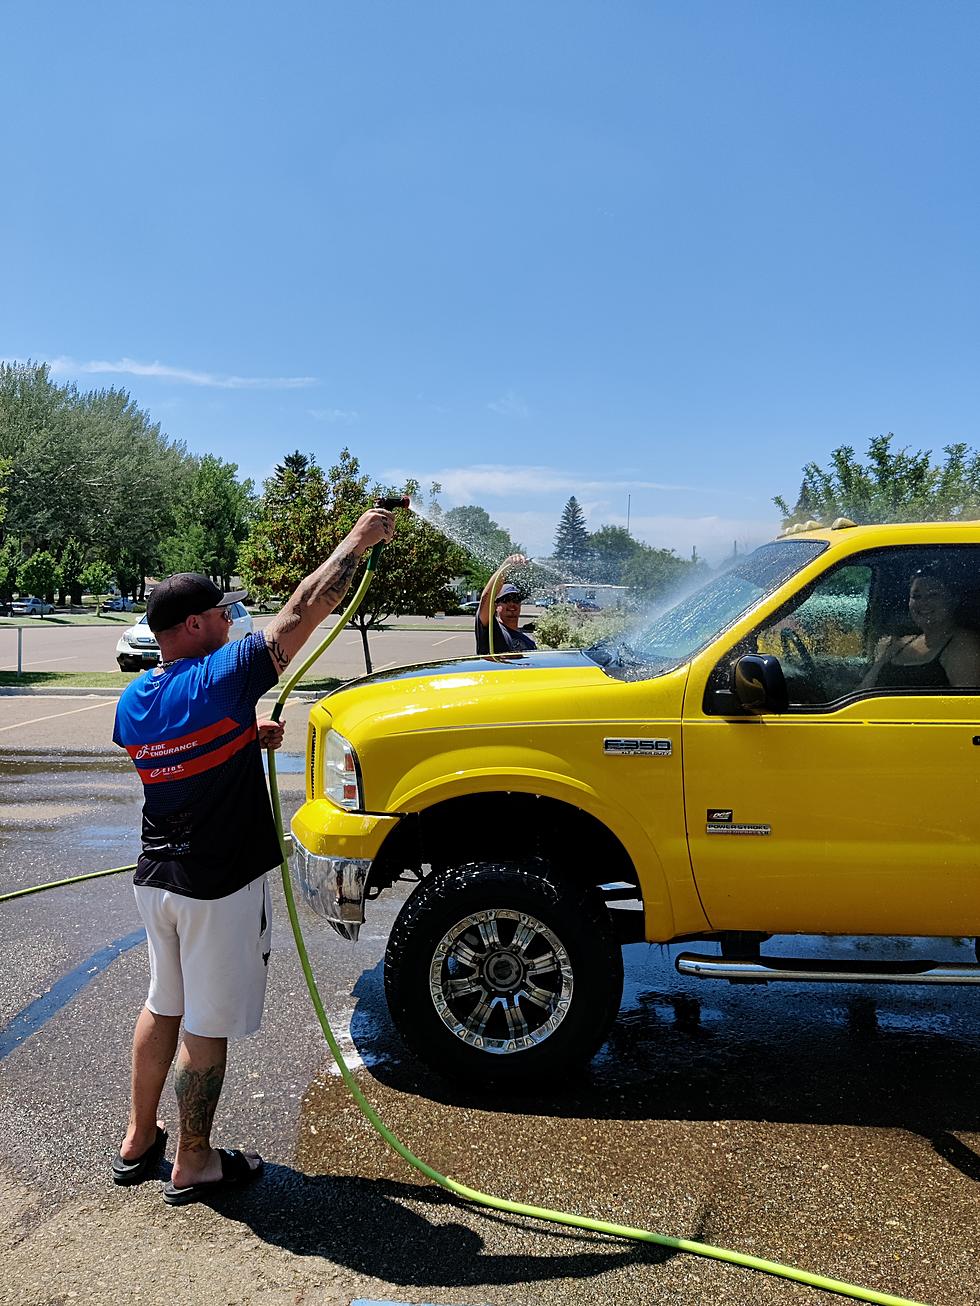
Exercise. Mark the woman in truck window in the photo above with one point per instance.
(945, 654)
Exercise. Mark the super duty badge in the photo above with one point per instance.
(637, 747)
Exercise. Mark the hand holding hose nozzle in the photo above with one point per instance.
(387, 506)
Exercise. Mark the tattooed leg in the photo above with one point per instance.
(198, 1079)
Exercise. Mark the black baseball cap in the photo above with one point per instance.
(506, 591)
(185, 595)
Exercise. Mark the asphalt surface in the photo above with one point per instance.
(50, 647)
(837, 1129)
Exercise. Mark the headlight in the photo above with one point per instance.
(341, 777)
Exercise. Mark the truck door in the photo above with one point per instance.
(855, 810)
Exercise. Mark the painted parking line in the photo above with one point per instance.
(36, 662)
(39, 1012)
(106, 702)
(462, 635)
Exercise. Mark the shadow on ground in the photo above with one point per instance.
(414, 1251)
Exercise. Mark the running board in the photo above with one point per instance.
(801, 970)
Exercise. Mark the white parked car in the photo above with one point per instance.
(138, 648)
(118, 604)
(31, 607)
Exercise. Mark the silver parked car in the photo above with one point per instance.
(138, 648)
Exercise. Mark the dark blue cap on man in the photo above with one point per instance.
(187, 594)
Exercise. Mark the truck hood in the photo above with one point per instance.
(538, 686)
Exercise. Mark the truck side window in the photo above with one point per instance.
(822, 641)
(897, 620)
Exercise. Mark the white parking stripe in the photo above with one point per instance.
(450, 639)
(36, 662)
(106, 702)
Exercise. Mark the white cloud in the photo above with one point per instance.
(345, 415)
(131, 367)
(466, 484)
(509, 405)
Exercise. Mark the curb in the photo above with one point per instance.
(80, 691)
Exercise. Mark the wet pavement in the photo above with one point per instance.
(836, 1128)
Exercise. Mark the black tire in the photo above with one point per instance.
(502, 972)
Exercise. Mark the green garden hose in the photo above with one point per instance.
(461, 1190)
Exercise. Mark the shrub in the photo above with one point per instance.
(564, 626)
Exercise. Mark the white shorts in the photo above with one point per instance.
(209, 958)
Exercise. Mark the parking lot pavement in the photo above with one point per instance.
(47, 647)
(836, 1129)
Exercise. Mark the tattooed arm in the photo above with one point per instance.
(316, 597)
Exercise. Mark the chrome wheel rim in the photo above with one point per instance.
(501, 981)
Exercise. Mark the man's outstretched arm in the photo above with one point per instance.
(316, 597)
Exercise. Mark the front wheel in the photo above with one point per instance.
(499, 971)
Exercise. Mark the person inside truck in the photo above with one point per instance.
(944, 654)
(507, 635)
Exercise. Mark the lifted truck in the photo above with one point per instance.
(726, 771)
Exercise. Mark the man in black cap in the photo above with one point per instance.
(507, 635)
(209, 838)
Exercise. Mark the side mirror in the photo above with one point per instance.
(759, 684)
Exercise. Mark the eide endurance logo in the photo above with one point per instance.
(167, 770)
(164, 749)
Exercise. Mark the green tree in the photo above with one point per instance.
(96, 579)
(37, 575)
(11, 560)
(306, 512)
(184, 550)
(289, 534)
(482, 542)
(893, 485)
(70, 566)
(90, 466)
(572, 538)
(653, 573)
(210, 521)
(610, 549)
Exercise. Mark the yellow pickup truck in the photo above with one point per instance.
(789, 749)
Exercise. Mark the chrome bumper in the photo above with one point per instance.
(333, 887)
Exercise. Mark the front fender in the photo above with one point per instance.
(545, 783)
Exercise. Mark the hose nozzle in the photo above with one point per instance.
(400, 501)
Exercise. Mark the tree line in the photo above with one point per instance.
(92, 491)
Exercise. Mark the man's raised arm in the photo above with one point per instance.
(316, 597)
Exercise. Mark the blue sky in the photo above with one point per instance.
(670, 251)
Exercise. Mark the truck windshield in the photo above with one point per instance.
(654, 644)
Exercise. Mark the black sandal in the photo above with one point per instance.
(235, 1171)
(143, 1167)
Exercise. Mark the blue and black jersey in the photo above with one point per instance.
(190, 729)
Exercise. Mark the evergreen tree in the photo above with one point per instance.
(572, 537)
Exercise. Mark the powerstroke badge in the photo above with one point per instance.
(637, 747)
(722, 828)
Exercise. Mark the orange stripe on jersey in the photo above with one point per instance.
(181, 743)
(183, 770)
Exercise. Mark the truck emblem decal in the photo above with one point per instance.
(712, 828)
(638, 747)
(718, 815)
